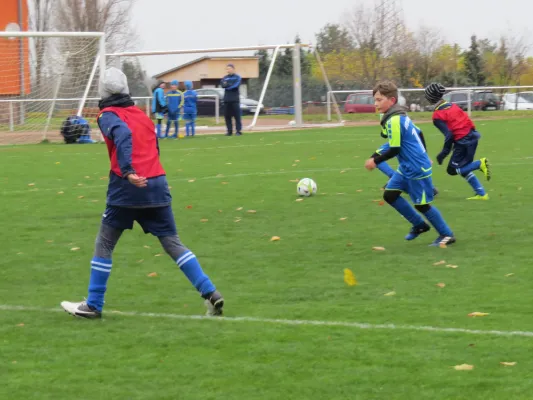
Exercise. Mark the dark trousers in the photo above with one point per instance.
(233, 110)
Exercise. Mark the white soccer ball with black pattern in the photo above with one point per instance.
(306, 187)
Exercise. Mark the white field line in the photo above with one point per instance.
(264, 173)
(291, 322)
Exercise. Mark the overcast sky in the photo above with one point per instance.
(174, 24)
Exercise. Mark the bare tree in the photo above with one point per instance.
(428, 40)
(40, 21)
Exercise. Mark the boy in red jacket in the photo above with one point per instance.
(461, 135)
(137, 191)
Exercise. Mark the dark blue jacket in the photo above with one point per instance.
(231, 84)
(120, 191)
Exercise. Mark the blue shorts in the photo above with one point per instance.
(189, 117)
(159, 221)
(173, 116)
(419, 190)
(464, 152)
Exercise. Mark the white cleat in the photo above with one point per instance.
(81, 309)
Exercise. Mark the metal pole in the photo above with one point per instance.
(328, 104)
(469, 100)
(88, 86)
(217, 109)
(21, 59)
(297, 85)
(52, 106)
(265, 86)
(11, 119)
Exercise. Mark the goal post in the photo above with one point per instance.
(44, 78)
(206, 77)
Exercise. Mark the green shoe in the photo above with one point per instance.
(479, 197)
(485, 168)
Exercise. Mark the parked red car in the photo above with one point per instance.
(360, 103)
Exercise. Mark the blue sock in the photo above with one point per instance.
(168, 128)
(386, 169)
(100, 270)
(177, 126)
(187, 128)
(192, 270)
(475, 183)
(158, 128)
(469, 168)
(435, 218)
(193, 126)
(408, 211)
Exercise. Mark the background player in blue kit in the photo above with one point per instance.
(189, 108)
(174, 104)
(460, 134)
(414, 171)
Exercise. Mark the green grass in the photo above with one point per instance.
(300, 277)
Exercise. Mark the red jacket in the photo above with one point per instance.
(457, 121)
(144, 148)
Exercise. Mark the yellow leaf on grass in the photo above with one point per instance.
(251, 212)
(349, 244)
(239, 209)
(204, 220)
(296, 160)
(140, 261)
(299, 199)
(224, 183)
(441, 285)
(57, 163)
(228, 163)
(49, 241)
(511, 274)
(294, 165)
(81, 197)
(152, 274)
(342, 172)
(441, 262)
(359, 190)
(478, 314)
(378, 248)
(87, 177)
(219, 211)
(294, 180)
(158, 255)
(343, 219)
(74, 249)
(390, 294)
(275, 238)
(31, 184)
(191, 180)
(21, 324)
(349, 277)
(464, 367)
(146, 246)
(452, 266)
(61, 192)
(504, 363)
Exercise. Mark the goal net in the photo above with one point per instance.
(45, 77)
(283, 86)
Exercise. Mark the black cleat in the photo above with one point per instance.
(214, 303)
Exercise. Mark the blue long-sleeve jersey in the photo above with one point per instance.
(189, 104)
(174, 101)
(158, 100)
(231, 84)
(120, 191)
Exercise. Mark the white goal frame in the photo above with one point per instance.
(297, 74)
(100, 62)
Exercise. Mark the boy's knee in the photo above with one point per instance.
(173, 246)
(106, 241)
(423, 208)
(390, 196)
(451, 171)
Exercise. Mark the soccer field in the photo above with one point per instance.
(292, 328)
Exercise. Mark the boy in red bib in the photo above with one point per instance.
(137, 191)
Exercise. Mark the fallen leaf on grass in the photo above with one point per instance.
(87, 177)
(95, 201)
(188, 207)
(441, 262)
(294, 165)
(508, 275)
(103, 178)
(452, 266)
(191, 180)
(390, 294)
(239, 209)
(57, 163)
(299, 199)
(74, 249)
(275, 238)
(504, 363)
(378, 248)
(349, 277)
(251, 212)
(60, 192)
(343, 219)
(441, 285)
(464, 367)
(228, 163)
(478, 314)
(349, 244)
(220, 176)
(237, 220)
(152, 274)
(146, 246)
(359, 190)
(49, 241)
(80, 184)
(204, 220)
(296, 160)
(381, 203)
(342, 172)
(376, 201)
(81, 197)
(219, 211)
(31, 184)
(21, 324)
(224, 183)
(140, 261)
(294, 180)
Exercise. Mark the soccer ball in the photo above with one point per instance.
(306, 187)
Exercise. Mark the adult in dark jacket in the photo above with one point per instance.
(232, 100)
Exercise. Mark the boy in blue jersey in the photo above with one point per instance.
(159, 105)
(174, 104)
(189, 108)
(414, 172)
